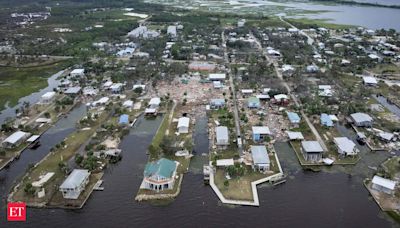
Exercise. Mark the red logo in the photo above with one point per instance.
(16, 212)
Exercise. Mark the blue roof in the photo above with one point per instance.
(163, 168)
(293, 117)
(326, 120)
(124, 119)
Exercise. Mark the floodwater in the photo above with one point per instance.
(307, 199)
(9, 112)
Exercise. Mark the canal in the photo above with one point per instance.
(307, 199)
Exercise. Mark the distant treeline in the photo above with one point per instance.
(349, 2)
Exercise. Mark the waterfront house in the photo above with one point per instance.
(384, 185)
(312, 151)
(73, 91)
(260, 158)
(326, 120)
(159, 175)
(345, 146)
(294, 119)
(48, 97)
(386, 136)
(222, 136)
(217, 103)
(217, 77)
(370, 81)
(75, 183)
(293, 135)
(15, 139)
(253, 102)
(183, 125)
(361, 119)
(123, 119)
(260, 132)
(77, 73)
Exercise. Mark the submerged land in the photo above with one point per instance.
(331, 91)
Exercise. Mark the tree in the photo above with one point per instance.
(138, 90)
(47, 114)
(226, 183)
(29, 189)
(78, 159)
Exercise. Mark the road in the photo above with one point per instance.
(310, 40)
(232, 85)
(293, 97)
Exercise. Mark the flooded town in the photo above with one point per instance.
(113, 113)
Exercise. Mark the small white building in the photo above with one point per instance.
(293, 135)
(217, 77)
(312, 151)
(183, 125)
(345, 146)
(77, 73)
(127, 104)
(370, 81)
(48, 97)
(15, 139)
(222, 136)
(75, 183)
(362, 119)
(383, 185)
(225, 162)
(154, 102)
(260, 158)
(171, 31)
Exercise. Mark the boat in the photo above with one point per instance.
(361, 138)
(33, 142)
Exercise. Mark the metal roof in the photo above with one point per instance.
(360, 117)
(344, 144)
(293, 117)
(225, 162)
(326, 120)
(259, 155)
(163, 168)
(222, 133)
(295, 135)
(370, 80)
(383, 182)
(183, 122)
(73, 90)
(262, 130)
(311, 147)
(76, 178)
(15, 137)
(124, 119)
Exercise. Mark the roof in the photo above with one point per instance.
(253, 100)
(15, 137)
(155, 101)
(128, 103)
(163, 168)
(262, 130)
(217, 76)
(49, 95)
(33, 138)
(295, 135)
(311, 147)
(370, 80)
(75, 178)
(217, 101)
(326, 120)
(73, 90)
(78, 71)
(386, 135)
(293, 117)
(361, 117)
(280, 97)
(384, 182)
(183, 122)
(221, 133)
(344, 144)
(225, 162)
(124, 119)
(259, 155)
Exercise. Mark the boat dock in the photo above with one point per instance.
(97, 186)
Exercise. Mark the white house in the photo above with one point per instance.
(217, 77)
(362, 119)
(325, 90)
(154, 102)
(345, 146)
(127, 104)
(183, 125)
(383, 185)
(15, 139)
(312, 150)
(370, 81)
(260, 158)
(77, 73)
(75, 183)
(171, 31)
(48, 97)
(222, 136)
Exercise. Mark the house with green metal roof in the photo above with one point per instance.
(159, 175)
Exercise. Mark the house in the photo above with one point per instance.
(312, 151)
(77, 73)
(260, 132)
(263, 96)
(361, 119)
(222, 136)
(325, 90)
(201, 66)
(294, 119)
(127, 52)
(345, 146)
(171, 31)
(217, 103)
(241, 22)
(260, 158)
(15, 139)
(384, 185)
(293, 135)
(312, 69)
(154, 102)
(183, 125)
(143, 87)
(386, 136)
(370, 81)
(159, 175)
(281, 99)
(75, 183)
(73, 91)
(116, 87)
(47, 97)
(253, 102)
(217, 85)
(247, 92)
(90, 91)
(123, 119)
(326, 120)
(287, 70)
(101, 101)
(127, 104)
(225, 162)
(217, 77)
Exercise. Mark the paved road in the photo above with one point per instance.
(232, 85)
(310, 40)
(294, 98)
